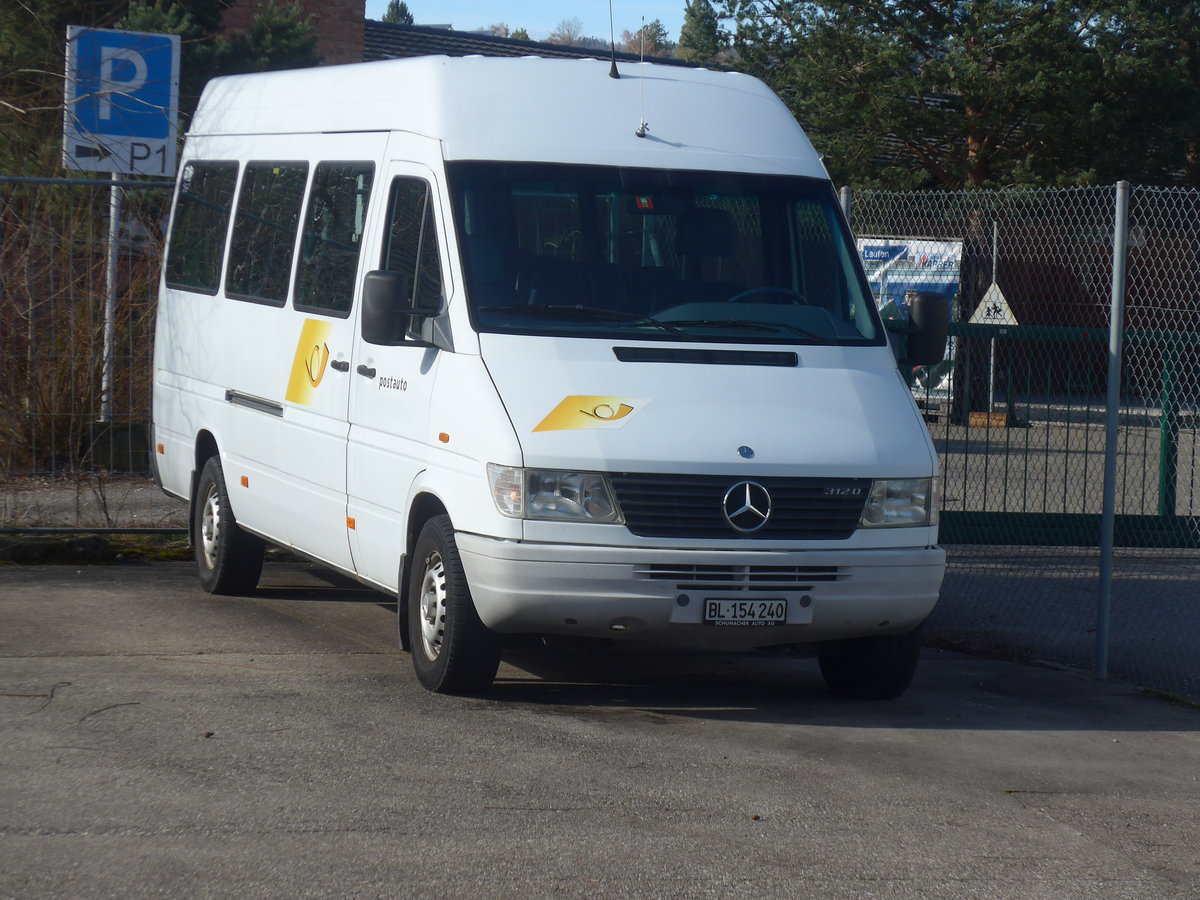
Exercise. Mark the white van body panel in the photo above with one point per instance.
(528, 109)
(837, 413)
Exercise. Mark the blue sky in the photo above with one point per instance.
(539, 17)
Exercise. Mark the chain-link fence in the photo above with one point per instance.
(76, 323)
(1018, 413)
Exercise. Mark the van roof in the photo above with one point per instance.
(553, 110)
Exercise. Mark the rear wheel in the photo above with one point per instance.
(453, 652)
(880, 667)
(228, 559)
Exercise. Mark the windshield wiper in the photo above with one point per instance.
(750, 325)
(593, 313)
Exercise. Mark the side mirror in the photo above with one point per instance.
(929, 325)
(388, 308)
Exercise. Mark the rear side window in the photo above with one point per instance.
(332, 235)
(412, 245)
(197, 240)
(264, 231)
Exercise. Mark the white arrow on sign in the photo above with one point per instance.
(993, 309)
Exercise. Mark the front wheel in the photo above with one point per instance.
(880, 667)
(228, 559)
(453, 652)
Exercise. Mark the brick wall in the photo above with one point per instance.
(338, 25)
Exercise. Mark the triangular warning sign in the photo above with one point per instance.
(993, 309)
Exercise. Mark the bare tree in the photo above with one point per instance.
(500, 29)
(568, 31)
(652, 39)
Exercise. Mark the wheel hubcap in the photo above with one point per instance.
(210, 526)
(433, 605)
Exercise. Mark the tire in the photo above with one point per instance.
(453, 652)
(871, 668)
(228, 559)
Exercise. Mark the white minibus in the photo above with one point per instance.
(539, 350)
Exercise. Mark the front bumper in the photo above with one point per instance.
(657, 594)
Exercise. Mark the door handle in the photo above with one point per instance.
(341, 365)
(368, 371)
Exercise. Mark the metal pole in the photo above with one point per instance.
(845, 195)
(992, 376)
(110, 301)
(992, 346)
(1112, 409)
(1168, 443)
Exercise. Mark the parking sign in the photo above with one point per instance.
(122, 101)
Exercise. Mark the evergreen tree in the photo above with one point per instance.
(1147, 117)
(699, 38)
(519, 34)
(968, 92)
(398, 13)
(652, 39)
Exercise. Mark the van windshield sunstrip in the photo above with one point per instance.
(604, 251)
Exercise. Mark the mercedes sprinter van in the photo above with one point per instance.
(539, 350)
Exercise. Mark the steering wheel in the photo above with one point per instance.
(769, 295)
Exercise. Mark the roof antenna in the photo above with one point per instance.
(644, 127)
(612, 37)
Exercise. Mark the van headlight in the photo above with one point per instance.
(896, 502)
(551, 494)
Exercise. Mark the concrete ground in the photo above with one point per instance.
(156, 741)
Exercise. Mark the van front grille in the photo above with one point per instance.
(693, 506)
(739, 578)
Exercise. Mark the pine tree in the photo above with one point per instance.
(652, 39)
(398, 13)
(964, 93)
(699, 38)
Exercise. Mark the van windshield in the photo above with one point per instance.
(602, 251)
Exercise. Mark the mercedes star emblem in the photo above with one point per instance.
(747, 506)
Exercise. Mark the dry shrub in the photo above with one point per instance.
(52, 294)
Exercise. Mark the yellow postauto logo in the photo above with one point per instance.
(308, 365)
(581, 411)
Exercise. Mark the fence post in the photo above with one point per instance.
(1111, 423)
(110, 299)
(1168, 445)
(845, 195)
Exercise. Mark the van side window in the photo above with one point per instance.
(412, 244)
(197, 241)
(332, 235)
(264, 231)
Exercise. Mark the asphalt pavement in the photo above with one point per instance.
(157, 741)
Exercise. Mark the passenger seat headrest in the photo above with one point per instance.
(705, 232)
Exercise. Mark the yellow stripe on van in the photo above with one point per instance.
(585, 411)
(308, 365)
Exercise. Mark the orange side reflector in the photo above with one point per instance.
(350, 522)
(161, 448)
(245, 481)
(444, 438)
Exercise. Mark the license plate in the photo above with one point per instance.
(718, 611)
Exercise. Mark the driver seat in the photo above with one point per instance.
(704, 245)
